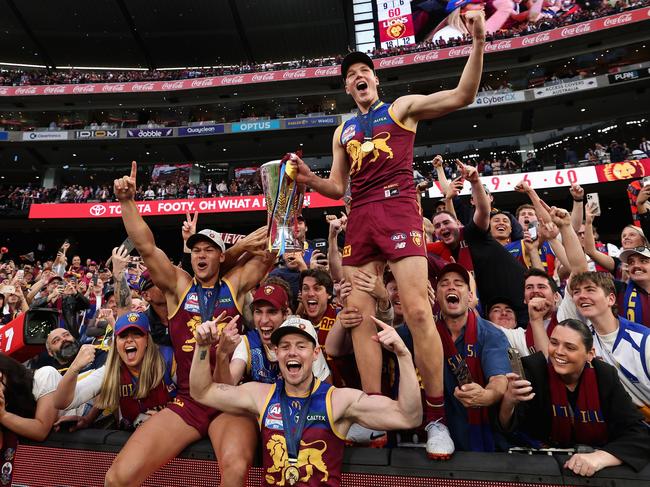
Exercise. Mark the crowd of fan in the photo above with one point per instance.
(11, 77)
(532, 269)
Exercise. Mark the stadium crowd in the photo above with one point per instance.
(556, 14)
(21, 197)
(563, 293)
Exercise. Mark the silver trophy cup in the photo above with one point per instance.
(283, 206)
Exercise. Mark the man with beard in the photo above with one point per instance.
(374, 153)
(306, 419)
(190, 301)
(476, 363)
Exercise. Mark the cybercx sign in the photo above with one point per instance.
(97, 134)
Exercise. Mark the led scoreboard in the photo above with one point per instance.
(395, 23)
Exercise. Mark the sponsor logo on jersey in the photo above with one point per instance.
(273, 419)
(192, 303)
(348, 133)
(398, 237)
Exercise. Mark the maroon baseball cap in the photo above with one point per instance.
(273, 294)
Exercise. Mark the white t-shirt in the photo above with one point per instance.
(517, 337)
(319, 367)
(45, 381)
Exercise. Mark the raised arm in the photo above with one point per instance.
(119, 261)
(335, 185)
(574, 252)
(599, 257)
(578, 195)
(334, 257)
(163, 273)
(380, 412)
(481, 199)
(410, 109)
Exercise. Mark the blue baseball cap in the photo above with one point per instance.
(132, 320)
(454, 4)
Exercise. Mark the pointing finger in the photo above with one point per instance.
(381, 324)
(134, 169)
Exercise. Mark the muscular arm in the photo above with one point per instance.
(244, 399)
(335, 185)
(410, 109)
(246, 277)
(380, 412)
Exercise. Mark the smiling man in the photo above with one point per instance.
(190, 300)
(373, 151)
(476, 362)
(304, 421)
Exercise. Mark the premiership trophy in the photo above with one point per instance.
(283, 205)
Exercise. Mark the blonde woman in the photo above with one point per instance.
(136, 381)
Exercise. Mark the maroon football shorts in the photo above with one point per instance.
(386, 230)
(194, 414)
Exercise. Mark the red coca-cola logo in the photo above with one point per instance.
(536, 39)
(29, 90)
(463, 51)
(426, 57)
(202, 83)
(113, 88)
(173, 85)
(392, 62)
(97, 210)
(499, 46)
(618, 20)
(54, 90)
(232, 80)
(331, 71)
(295, 74)
(84, 89)
(575, 30)
(263, 77)
(143, 87)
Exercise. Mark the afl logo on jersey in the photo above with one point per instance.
(348, 133)
(192, 303)
(273, 418)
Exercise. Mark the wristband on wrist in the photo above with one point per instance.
(581, 200)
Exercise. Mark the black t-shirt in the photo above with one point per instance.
(497, 272)
(159, 331)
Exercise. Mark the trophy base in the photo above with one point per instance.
(285, 235)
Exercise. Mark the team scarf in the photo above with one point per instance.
(634, 304)
(464, 255)
(9, 441)
(480, 431)
(530, 341)
(584, 426)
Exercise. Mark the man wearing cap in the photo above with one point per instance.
(476, 363)
(190, 301)
(374, 153)
(304, 421)
(634, 297)
(617, 340)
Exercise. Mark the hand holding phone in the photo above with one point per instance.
(594, 201)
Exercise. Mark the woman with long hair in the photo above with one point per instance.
(574, 399)
(135, 382)
(26, 407)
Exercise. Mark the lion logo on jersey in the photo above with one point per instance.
(380, 142)
(188, 346)
(308, 459)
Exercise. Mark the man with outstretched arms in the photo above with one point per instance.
(374, 153)
(190, 301)
(309, 452)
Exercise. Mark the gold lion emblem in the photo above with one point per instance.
(309, 458)
(353, 148)
(623, 170)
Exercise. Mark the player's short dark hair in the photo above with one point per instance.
(525, 206)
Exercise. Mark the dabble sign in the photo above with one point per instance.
(168, 207)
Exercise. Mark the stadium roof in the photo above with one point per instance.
(168, 33)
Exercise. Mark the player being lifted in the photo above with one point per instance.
(374, 153)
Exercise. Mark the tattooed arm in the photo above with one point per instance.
(119, 259)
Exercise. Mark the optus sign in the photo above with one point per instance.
(169, 207)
